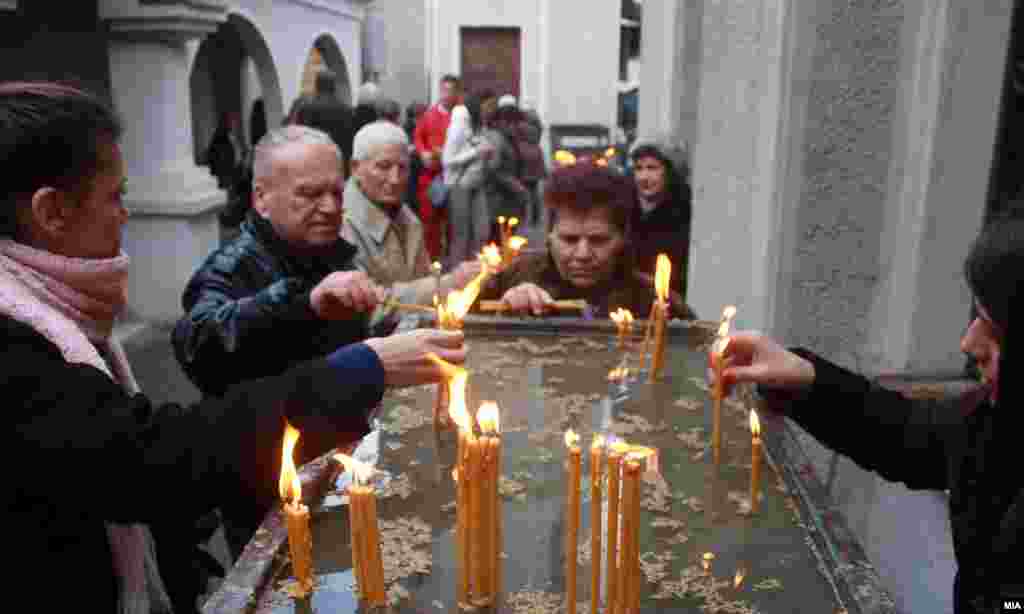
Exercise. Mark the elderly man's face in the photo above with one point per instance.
(586, 247)
(384, 174)
(302, 196)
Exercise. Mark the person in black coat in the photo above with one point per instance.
(663, 214)
(969, 445)
(84, 450)
(328, 113)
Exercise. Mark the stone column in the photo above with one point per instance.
(670, 68)
(173, 203)
(939, 180)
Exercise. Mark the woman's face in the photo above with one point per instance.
(650, 177)
(586, 247)
(982, 341)
(93, 220)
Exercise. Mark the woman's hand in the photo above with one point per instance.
(527, 297)
(406, 357)
(755, 358)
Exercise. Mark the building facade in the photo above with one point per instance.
(172, 68)
(843, 160)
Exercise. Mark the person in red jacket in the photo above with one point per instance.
(431, 131)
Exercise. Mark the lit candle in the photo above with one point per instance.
(718, 364)
(575, 455)
(661, 281)
(300, 542)
(474, 516)
(623, 319)
(366, 554)
(614, 460)
(460, 416)
(502, 231)
(755, 462)
(596, 460)
(516, 244)
(488, 419)
(490, 256)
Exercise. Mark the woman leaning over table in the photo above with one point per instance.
(968, 445)
(90, 457)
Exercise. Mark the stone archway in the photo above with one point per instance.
(232, 69)
(326, 53)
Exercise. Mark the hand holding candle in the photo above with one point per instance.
(300, 543)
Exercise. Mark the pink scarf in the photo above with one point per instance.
(73, 302)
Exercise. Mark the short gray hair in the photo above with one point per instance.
(263, 156)
(377, 134)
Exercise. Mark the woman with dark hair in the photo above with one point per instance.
(663, 212)
(964, 444)
(589, 250)
(464, 159)
(72, 406)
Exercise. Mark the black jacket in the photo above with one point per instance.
(966, 446)
(81, 452)
(247, 310)
(665, 230)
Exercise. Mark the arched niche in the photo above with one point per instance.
(325, 52)
(232, 69)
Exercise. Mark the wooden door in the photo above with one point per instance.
(491, 59)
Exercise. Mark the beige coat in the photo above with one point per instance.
(403, 266)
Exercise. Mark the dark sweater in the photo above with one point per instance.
(82, 452)
(965, 445)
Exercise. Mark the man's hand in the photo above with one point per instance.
(527, 297)
(406, 356)
(465, 272)
(343, 294)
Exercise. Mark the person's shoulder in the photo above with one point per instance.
(20, 339)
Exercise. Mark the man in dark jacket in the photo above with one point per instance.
(247, 308)
(326, 112)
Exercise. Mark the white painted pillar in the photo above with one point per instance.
(173, 203)
(939, 183)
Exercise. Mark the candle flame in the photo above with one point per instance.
(289, 486)
(565, 158)
(706, 560)
(619, 447)
(755, 424)
(738, 578)
(610, 152)
(488, 417)
(457, 402)
(516, 243)
(618, 374)
(513, 222)
(501, 220)
(571, 438)
(662, 275)
(458, 302)
(622, 317)
(726, 322)
(598, 442)
(436, 266)
(491, 255)
(455, 474)
(361, 472)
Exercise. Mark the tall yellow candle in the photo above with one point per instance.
(489, 421)
(718, 363)
(614, 460)
(355, 526)
(575, 455)
(662, 276)
(755, 463)
(628, 585)
(474, 515)
(378, 596)
(300, 541)
(596, 476)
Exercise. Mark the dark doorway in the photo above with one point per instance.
(491, 59)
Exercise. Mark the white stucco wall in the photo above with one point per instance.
(405, 77)
(570, 51)
(291, 27)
